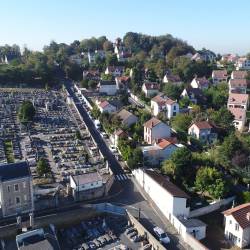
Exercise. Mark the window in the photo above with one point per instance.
(25, 197)
(236, 227)
(16, 188)
(8, 188)
(24, 184)
(18, 200)
(230, 222)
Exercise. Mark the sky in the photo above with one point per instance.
(220, 25)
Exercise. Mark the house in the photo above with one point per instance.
(195, 96)
(150, 88)
(118, 134)
(114, 70)
(242, 63)
(174, 79)
(16, 189)
(107, 87)
(93, 55)
(123, 55)
(237, 101)
(219, 76)
(200, 83)
(155, 129)
(204, 55)
(203, 131)
(80, 184)
(238, 86)
(239, 74)
(45, 239)
(91, 75)
(239, 117)
(105, 106)
(127, 118)
(160, 151)
(231, 58)
(170, 199)
(76, 58)
(237, 225)
(161, 103)
(122, 82)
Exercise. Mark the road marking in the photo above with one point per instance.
(125, 177)
(118, 177)
(121, 177)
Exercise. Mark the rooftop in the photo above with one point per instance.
(86, 178)
(124, 114)
(239, 74)
(203, 125)
(14, 171)
(241, 214)
(237, 98)
(239, 114)
(152, 122)
(166, 184)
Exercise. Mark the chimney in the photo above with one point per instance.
(248, 216)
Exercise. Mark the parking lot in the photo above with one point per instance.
(109, 232)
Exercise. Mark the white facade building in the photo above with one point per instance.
(237, 225)
(85, 182)
(169, 198)
(155, 129)
(161, 103)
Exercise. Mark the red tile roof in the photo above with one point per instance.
(151, 85)
(161, 100)
(219, 74)
(104, 104)
(237, 83)
(166, 184)
(152, 123)
(163, 143)
(237, 98)
(239, 74)
(238, 113)
(203, 125)
(241, 214)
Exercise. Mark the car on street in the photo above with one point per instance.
(161, 235)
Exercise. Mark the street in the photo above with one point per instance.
(131, 197)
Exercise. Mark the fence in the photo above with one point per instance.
(210, 208)
(143, 231)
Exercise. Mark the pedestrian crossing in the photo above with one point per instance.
(121, 177)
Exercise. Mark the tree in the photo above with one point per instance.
(78, 135)
(172, 91)
(245, 196)
(227, 150)
(95, 112)
(136, 159)
(179, 166)
(84, 83)
(211, 180)
(111, 60)
(92, 84)
(223, 118)
(43, 167)
(181, 122)
(107, 46)
(26, 112)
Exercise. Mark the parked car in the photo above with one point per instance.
(161, 235)
(112, 149)
(129, 230)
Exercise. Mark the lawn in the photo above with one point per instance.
(9, 151)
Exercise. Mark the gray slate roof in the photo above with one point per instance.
(14, 171)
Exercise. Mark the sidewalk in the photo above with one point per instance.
(176, 238)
